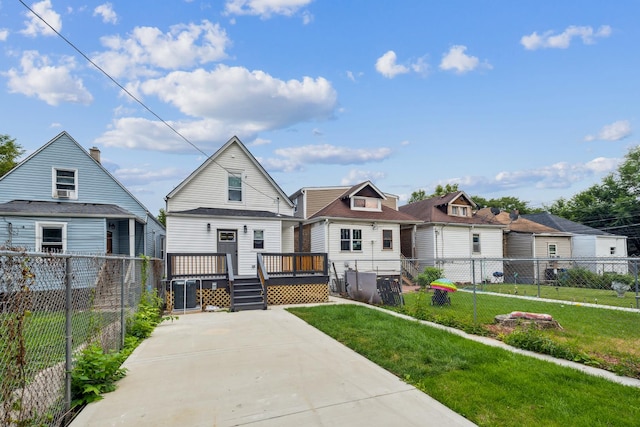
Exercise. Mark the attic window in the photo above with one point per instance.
(235, 186)
(65, 183)
(365, 204)
(459, 210)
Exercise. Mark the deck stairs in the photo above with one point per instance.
(247, 294)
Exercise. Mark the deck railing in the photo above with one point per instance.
(295, 264)
(202, 265)
(263, 275)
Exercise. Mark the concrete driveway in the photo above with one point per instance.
(257, 368)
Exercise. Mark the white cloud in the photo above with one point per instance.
(4, 34)
(265, 8)
(386, 65)
(147, 48)
(317, 132)
(107, 13)
(356, 176)
(54, 84)
(563, 40)
(260, 141)
(457, 60)
(307, 17)
(294, 158)
(145, 134)
(613, 132)
(34, 26)
(253, 98)
(146, 174)
(354, 76)
(404, 143)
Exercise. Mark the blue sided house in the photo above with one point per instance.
(61, 199)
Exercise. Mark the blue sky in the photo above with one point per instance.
(532, 99)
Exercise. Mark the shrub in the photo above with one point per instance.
(582, 278)
(429, 275)
(95, 373)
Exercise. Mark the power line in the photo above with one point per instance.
(132, 96)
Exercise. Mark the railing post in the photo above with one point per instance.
(295, 264)
(68, 336)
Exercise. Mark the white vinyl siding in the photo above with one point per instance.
(209, 187)
(190, 235)
(371, 257)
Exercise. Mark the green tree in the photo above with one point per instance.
(612, 206)
(10, 151)
(162, 217)
(416, 196)
(441, 191)
(507, 203)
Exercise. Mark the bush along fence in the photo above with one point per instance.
(56, 311)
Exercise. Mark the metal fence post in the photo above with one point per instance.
(538, 275)
(475, 300)
(68, 336)
(122, 319)
(637, 292)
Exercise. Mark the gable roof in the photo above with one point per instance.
(430, 210)
(563, 224)
(97, 164)
(213, 159)
(341, 207)
(519, 225)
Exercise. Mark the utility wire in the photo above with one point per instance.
(132, 96)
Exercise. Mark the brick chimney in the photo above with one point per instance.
(95, 153)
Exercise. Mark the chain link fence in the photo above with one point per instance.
(51, 307)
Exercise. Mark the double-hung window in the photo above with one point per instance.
(387, 239)
(234, 184)
(258, 239)
(345, 239)
(476, 243)
(51, 236)
(552, 250)
(65, 183)
(350, 240)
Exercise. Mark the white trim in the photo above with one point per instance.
(60, 194)
(39, 225)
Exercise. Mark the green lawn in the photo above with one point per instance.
(45, 338)
(610, 337)
(579, 295)
(489, 386)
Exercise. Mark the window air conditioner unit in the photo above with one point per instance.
(63, 194)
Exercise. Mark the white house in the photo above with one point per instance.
(353, 225)
(449, 235)
(230, 204)
(604, 249)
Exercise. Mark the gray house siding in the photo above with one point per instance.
(33, 180)
(84, 235)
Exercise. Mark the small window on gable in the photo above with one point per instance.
(387, 239)
(258, 239)
(463, 211)
(612, 250)
(454, 210)
(65, 183)
(295, 205)
(552, 250)
(365, 203)
(476, 243)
